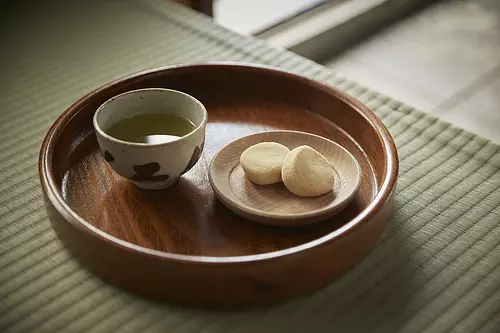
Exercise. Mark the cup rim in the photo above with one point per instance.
(102, 133)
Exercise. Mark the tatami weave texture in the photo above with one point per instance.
(436, 268)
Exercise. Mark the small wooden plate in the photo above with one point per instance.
(181, 244)
(274, 204)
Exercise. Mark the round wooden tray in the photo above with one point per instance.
(181, 244)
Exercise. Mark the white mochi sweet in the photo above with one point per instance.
(307, 173)
(262, 162)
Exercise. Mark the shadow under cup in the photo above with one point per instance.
(151, 165)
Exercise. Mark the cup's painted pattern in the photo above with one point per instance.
(195, 157)
(108, 157)
(147, 172)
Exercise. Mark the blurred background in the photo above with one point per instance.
(442, 57)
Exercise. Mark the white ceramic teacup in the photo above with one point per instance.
(151, 165)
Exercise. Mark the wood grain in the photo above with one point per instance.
(275, 204)
(182, 244)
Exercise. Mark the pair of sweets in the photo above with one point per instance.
(303, 170)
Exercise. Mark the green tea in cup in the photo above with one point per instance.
(151, 128)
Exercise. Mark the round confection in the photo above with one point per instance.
(262, 162)
(307, 173)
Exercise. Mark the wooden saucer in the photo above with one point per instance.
(274, 204)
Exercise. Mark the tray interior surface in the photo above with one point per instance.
(187, 218)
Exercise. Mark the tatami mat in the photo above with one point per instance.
(436, 268)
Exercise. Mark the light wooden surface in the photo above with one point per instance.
(457, 79)
(275, 204)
